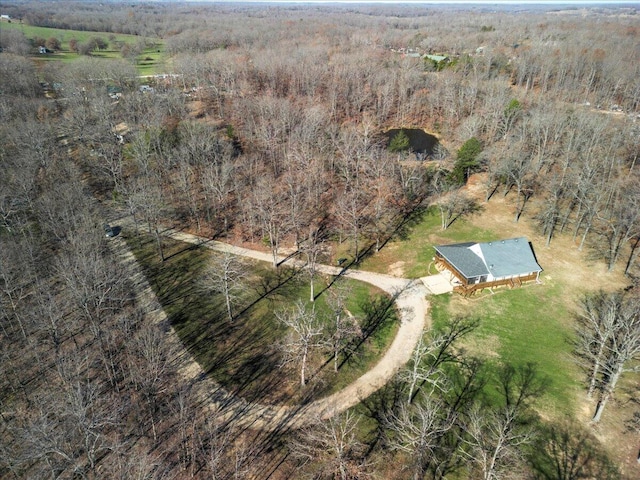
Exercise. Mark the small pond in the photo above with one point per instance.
(421, 143)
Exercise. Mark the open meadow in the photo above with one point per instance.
(147, 54)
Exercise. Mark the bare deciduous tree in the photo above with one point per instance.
(453, 205)
(344, 326)
(620, 222)
(596, 325)
(218, 185)
(496, 435)
(350, 215)
(615, 332)
(226, 276)
(305, 334)
(567, 451)
(268, 208)
(517, 171)
(416, 430)
(430, 354)
(331, 449)
(313, 248)
(495, 439)
(146, 197)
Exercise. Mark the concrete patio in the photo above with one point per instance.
(438, 284)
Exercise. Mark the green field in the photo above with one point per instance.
(525, 325)
(150, 61)
(520, 326)
(416, 250)
(242, 355)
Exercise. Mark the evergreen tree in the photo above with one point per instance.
(466, 161)
(400, 142)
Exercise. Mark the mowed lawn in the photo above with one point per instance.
(415, 250)
(244, 355)
(150, 61)
(532, 324)
(520, 326)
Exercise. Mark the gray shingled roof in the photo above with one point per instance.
(502, 258)
(460, 256)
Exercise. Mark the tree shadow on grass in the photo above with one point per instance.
(405, 224)
(238, 354)
(248, 366)
(378, 407)
(357, 355)
(273, 283)
(379, 313)
(400, 231)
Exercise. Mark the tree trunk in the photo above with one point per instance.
(596, 370)
(303, 367)
(607, 394)
(632, 255)
(159, 242)
(227, 298)
(273, 240)
(312, 295)
(355, 240)
(412, 386)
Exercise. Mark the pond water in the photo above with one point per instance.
(422, 143)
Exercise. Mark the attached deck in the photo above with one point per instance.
(464, 287)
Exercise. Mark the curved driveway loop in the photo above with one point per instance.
(412, 307)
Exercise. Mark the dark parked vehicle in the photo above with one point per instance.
(108, 231)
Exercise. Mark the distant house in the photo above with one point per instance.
(114, 92)
(42, 50)
(437, 58)
(475, 266)
(438, 61)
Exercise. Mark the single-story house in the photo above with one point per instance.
(474, 266)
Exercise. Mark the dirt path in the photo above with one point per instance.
(412, 307)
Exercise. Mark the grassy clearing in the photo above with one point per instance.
(520, 326)
(150, 61)
(416, 250)
(531, 324)
(242, 355)
(64, 36)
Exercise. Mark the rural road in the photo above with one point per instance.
(410, 302)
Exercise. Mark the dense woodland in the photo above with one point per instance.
(270, 131)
